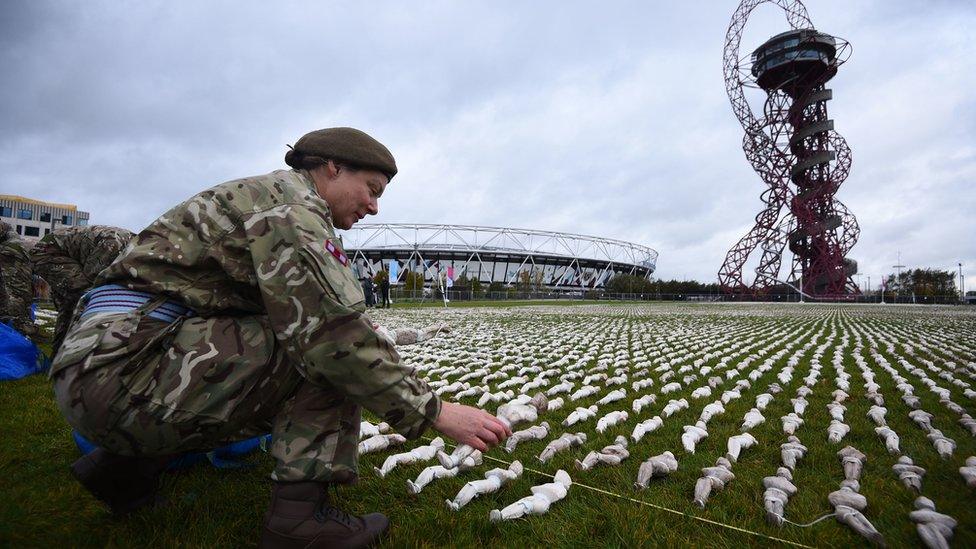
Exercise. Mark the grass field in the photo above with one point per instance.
(42, 506)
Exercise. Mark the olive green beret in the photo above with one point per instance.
(344, 145)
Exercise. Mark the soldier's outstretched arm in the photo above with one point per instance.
(316, 309)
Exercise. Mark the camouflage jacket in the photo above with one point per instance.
(87, 250)
(266, 245)
(15, 255)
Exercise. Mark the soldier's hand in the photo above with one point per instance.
(472, 426)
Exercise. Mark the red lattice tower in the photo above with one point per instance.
(794, 149)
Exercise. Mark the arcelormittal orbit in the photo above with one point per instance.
(793, 147)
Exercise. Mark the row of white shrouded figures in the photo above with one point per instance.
(693, 433)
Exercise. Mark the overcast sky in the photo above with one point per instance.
(608, 118)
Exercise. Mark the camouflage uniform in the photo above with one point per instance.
(69, 259)
(16, 281)
(279, 342)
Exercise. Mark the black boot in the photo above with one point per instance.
(124, 483)
(300, 515)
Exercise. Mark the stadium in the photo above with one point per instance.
(560, 262)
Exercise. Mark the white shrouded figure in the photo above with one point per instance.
(584, 391)
(836, 410)
(909, 473)
(564, 442)
(418, 454)
(376, 443)
(890, 438)
(729, 396)
(968, 472)
(791, 422)
(555, 403)
(922, 418)
(434, 472)
(693, 434)
(543, 496)
(611, 419)
(578, 415)
(670, 388)
(933, 527)
(367, 429)
(737, 443)
(494, 397)
(493, 481)
(409, 336)
(643, 402)
(799, 405)
(791, 452)
(645, 427)
(763, 400)
(836, 431)
(752, 418)
(536, 432)
(877, 415)
(853, 462)
(944, 445)
(674, 406)
(713, 479)
(779, 490)
(516, 412)
(612, 454)
(968, 423)
(563, 387)
(613, 396)
(456, 457)
(658, 466)
(848, 505)
(711, 410)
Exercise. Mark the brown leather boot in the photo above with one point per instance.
(124, 483)
(300, 515)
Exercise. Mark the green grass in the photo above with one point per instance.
(41, 505)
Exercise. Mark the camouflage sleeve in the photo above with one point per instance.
(315, 306)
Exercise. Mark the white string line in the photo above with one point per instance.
(658, 507)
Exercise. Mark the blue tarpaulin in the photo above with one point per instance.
(19, 357)
(222, 458)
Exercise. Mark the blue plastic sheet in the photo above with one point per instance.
(19, 357)
(221, 458)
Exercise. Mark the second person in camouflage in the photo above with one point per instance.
(69, 259)
(236, 313)
(16, 281)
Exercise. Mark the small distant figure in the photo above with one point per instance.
(369, 290)
(385, 288)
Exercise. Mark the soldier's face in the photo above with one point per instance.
(352, 194)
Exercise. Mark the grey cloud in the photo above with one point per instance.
(609, 120)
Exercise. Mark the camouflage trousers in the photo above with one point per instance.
(136, 385)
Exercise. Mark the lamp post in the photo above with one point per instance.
(899, 267)
(962, 287)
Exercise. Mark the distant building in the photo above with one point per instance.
(34, 218)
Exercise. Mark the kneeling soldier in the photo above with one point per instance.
(235, 314)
